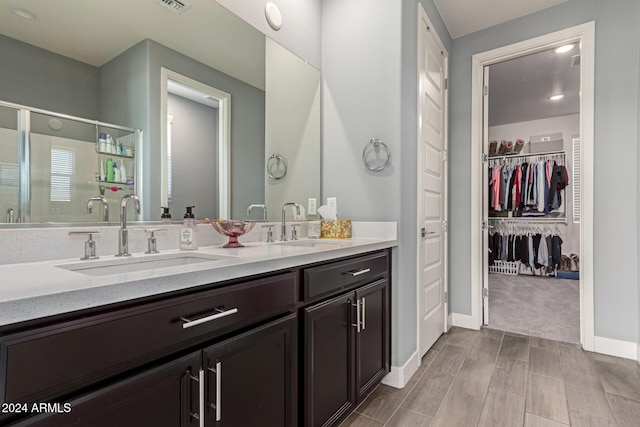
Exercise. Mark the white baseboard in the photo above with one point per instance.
(463, 321)
(638, 353)
(625, 349)
(449, 321)
(400, 375)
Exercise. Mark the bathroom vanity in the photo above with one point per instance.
(290, 335)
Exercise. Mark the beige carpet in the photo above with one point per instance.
(536, 306)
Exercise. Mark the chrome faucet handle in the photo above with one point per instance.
(269, 232)
(294, 231)
(89, 245)
(152, 241)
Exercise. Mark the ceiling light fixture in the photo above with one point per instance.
(23, 13)
(556, 97)
(565, 48)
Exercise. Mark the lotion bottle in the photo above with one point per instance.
(189, 232)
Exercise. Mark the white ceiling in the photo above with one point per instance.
(464, 17)
(95, 31)
(519, 89)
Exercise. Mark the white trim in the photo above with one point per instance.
(626, 349)
(400, 375)
(638, 353)
(449, 321)
(422, 15)
(224, 136)
(585, 34)
(464, 321)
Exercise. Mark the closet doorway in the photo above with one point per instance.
(534, 207)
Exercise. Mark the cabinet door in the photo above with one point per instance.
(329, 361)
(372, 339)
(251, 379)
(167, 395)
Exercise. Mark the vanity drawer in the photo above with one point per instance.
(53, 361)
(328, 279)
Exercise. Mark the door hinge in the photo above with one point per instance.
(445, 297)
(446, 84)
(485, 90)
(445, 155)
(485, 158)
(485, 292)
(484, 225)
(445, 226)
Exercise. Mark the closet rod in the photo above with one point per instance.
(522, 220)
(515, 156)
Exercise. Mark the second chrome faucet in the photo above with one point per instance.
(123, 235)
(283, 228)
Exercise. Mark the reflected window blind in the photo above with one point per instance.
(9, 182)
(576, 180)
(63, 166)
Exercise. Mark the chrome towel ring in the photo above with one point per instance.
(276, 167)
(375, 143)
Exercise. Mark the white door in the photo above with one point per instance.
(432, 59)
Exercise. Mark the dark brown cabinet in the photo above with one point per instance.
(250, 379)
(162, 396)
(346, 340)
(297, 347)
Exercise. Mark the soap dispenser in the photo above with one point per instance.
(189, 231)
(166, 216)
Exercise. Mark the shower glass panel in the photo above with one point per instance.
(63, 169)
(9, 165)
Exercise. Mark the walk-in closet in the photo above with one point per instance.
(532, 195)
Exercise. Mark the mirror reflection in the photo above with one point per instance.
(101, 64)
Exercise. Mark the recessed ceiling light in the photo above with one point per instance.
(556, 97)
(565, 48)
(23, 13)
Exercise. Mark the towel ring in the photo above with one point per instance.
(276, 160)
(376, 143)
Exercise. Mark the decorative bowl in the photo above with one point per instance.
(233, 229)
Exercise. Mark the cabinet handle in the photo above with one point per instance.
(200, 380)
(218, 372)
(188, 323)
(357, 306)
(364, 313)
(354, 273)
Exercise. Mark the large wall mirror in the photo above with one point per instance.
(213, 97)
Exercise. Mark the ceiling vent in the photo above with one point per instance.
(575, 61)
(175, 6)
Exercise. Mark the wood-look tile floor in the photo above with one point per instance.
(491, 378)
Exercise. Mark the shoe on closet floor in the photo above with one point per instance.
(575, 262)
(565, 263)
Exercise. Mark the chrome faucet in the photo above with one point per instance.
(10, 216)
(283, 229)
(105, 206)
(264, 210)
(123, 236)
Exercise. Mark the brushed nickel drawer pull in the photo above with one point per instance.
(364, 313)
(354, 273)
(188, 323)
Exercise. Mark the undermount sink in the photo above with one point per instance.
(132, 264)
(317, 243)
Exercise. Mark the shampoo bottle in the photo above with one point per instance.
(109, 170)
(189, 231)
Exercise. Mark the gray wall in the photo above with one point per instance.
(300, 32)
(135, 101)
(616, 122)
(370, 91)
(194, 130)
(38, 78)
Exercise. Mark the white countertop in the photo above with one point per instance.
(39, 289)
